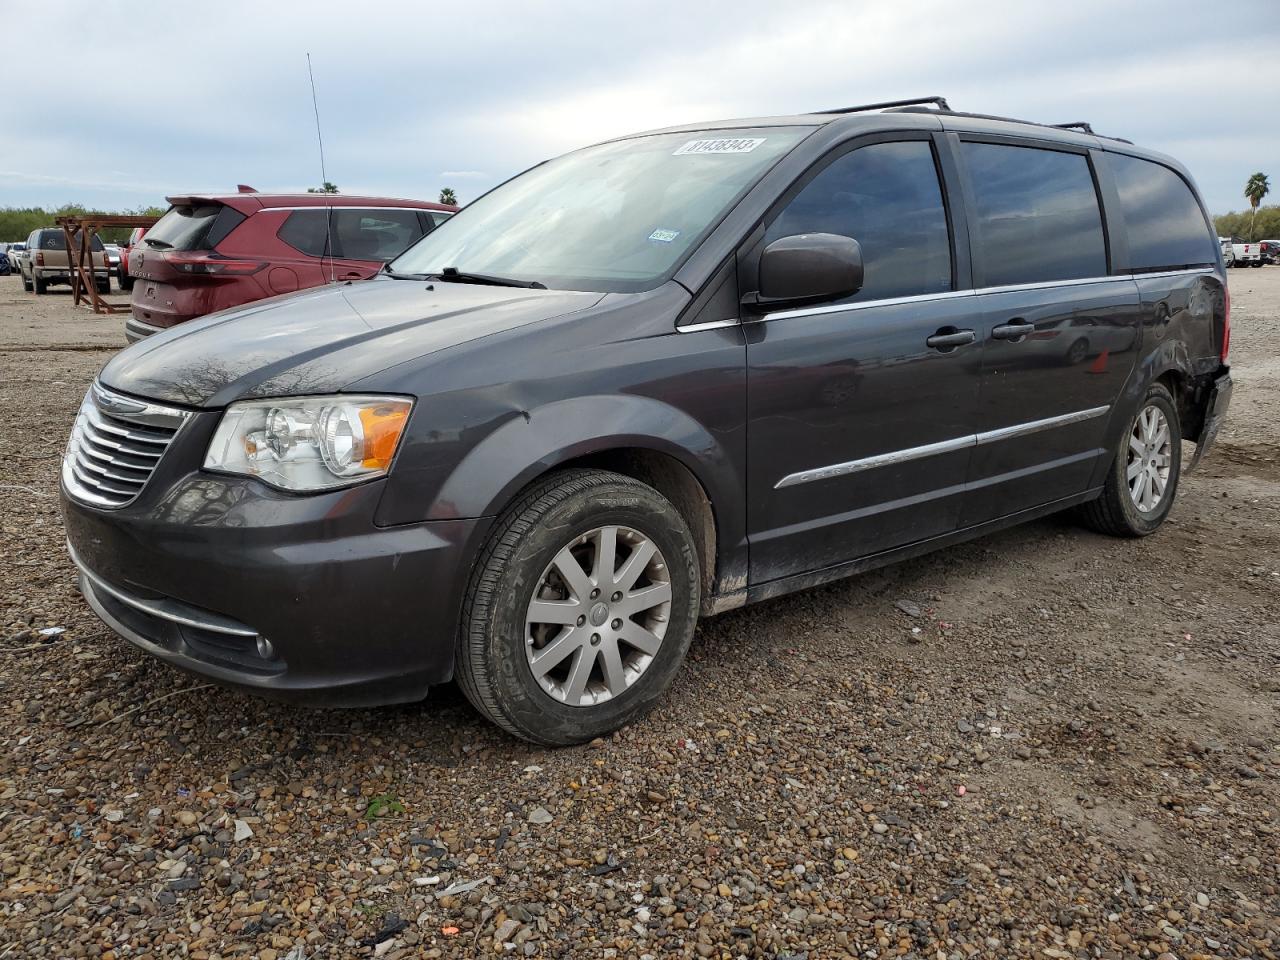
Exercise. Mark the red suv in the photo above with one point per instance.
(211, 253)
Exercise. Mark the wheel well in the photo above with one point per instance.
(1176, 383)
(677, 483)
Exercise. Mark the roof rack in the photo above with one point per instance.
(939, 102)
(940, 105)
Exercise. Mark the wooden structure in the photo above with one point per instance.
(79, 233)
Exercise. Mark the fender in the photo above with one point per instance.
(536, 441)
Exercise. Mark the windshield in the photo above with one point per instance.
(617, 217)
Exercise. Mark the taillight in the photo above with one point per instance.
(40, 258)
(212, 264)
(1226, 323)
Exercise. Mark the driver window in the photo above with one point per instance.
(887, 197)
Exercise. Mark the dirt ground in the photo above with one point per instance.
(1045, 743)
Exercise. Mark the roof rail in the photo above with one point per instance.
(940, 105)
(939, 102)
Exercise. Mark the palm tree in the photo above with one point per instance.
(1255, 189)
(448, 196)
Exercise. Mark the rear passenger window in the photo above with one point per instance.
(1038, 218)
(307, 231)
(887, 197)
(376, 234)
(1165, 224)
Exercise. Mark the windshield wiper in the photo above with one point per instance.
(386, 268)
(158, 244)
(454, 275)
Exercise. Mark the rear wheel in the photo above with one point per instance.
(580, 609)
(42, 286)
(1143, 479)
(104, 286)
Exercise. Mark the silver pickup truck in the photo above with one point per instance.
(47, 261)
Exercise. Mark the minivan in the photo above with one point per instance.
(210, 253)
(655, 379)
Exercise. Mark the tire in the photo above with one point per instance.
(497, 642)
(126, 282)
(26, 284)
(1116, 511)
(104, 286)
(42, 286)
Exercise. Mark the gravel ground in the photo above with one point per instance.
(1045, 743)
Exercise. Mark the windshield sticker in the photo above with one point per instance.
(664, 236)
(726, 145)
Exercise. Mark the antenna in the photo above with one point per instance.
(324, 177)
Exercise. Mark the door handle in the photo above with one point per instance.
(948, 338)
(353, 276)
(1015, 329)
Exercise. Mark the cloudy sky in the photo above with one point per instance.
(415, 96)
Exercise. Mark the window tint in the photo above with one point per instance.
(1037, 214)
(377, 234)
(189, 227)
(887, 197)
(307, 231)
(1166, 227)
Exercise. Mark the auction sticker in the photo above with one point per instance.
(723, 145)
(664, 236)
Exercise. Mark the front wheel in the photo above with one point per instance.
(1143, 479)
(580, 608)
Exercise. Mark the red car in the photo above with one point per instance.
(122, 271)
(211, 253)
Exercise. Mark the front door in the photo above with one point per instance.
(861, 414)
(1060, 335)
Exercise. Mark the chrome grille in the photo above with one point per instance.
(115, 445)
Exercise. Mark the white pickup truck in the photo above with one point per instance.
(1246, 254)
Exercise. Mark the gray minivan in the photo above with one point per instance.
(654, 379)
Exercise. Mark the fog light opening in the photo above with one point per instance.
(265, 649)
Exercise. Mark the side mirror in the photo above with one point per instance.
(808, 268)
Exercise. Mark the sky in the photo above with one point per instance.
(118, 103)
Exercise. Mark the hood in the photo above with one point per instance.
(320, 340)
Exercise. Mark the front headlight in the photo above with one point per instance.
(309, 443)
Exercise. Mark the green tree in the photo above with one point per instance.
(1265, 223)
(1255, 189)
(325, 187)
(448, 196)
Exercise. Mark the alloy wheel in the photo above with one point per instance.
(1150, 457)
(598, 616)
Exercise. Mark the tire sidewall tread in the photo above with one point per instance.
(1114, 511)
(492, 669)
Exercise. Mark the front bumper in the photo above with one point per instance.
(292, 597)
(135, 329)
